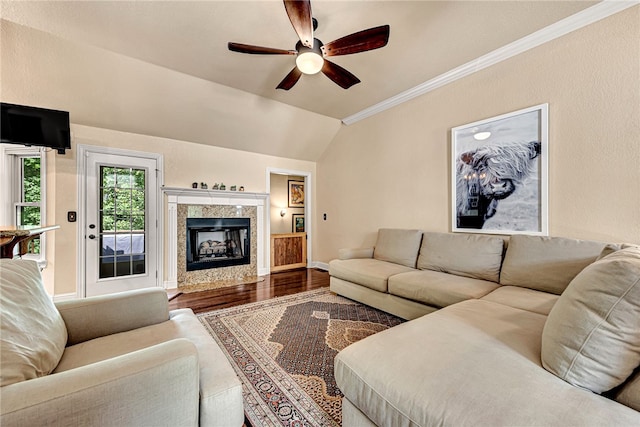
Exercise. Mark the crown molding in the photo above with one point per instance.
(574, 22)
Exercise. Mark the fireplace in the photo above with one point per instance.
(217, 242)
(185, 203)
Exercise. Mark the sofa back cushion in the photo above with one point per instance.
(467, 255)
(33, 334)
(591, 338)
(546, 264)
(629, 392)
(398, 246)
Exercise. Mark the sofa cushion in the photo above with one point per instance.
(523, 298)
(351, 253)
(370, 273)
(398, 246)
(33, 334)
(472, 363)
(592, 336)
(220, 388)
(546, 264)
(629, 392)
(438, 289)
(466, 255)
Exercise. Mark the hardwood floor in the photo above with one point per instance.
(274, 285)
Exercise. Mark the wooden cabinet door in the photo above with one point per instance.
(288, 251)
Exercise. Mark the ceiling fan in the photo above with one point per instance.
(311, 53)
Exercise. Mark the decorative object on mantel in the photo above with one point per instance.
(215, 186)
(222, 186)
(194, 185)
(241, 188)
(203, 185)
(233, 188)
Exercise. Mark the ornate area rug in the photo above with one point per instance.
(283, 349)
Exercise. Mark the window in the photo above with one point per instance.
(27, 205)
(23, 186)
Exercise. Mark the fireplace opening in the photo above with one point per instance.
(217, 242)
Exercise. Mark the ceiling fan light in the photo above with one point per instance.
(309, 62)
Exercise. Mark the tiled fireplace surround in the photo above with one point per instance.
(183, 203)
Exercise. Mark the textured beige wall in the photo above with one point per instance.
(184, 162)
(392, 170)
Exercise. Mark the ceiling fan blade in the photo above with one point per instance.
(339, 75)
(373, 38)
(291, 79)
(299, 12)
(258, 50)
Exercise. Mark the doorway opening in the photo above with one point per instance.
(290, 218)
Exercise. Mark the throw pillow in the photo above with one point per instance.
(33, 334)
(591, 338)
(398, 246)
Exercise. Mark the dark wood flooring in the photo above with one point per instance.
(274, 285)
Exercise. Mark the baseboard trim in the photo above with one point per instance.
(319, 265)
(65, 297)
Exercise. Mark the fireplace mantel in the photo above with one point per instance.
(194, 196)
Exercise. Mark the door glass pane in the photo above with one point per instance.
(122, 222)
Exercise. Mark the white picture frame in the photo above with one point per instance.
(499, 174)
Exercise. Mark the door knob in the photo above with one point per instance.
(92, 236)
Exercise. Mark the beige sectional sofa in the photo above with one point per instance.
(526, 331)
(118, 360)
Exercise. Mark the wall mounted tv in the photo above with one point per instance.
(35, 126)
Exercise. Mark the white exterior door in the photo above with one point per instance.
(121, 224)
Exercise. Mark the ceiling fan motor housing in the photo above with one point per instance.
(317, 44)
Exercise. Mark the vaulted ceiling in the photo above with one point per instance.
(427, 39)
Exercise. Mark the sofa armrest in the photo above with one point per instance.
(99, 316)
(158, 385)
(352, 253)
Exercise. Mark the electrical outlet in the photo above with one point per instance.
(324, 217)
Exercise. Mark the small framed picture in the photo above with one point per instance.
(296, 194)
(298, 223)
(499, 174)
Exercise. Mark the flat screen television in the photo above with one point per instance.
(35, 126)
